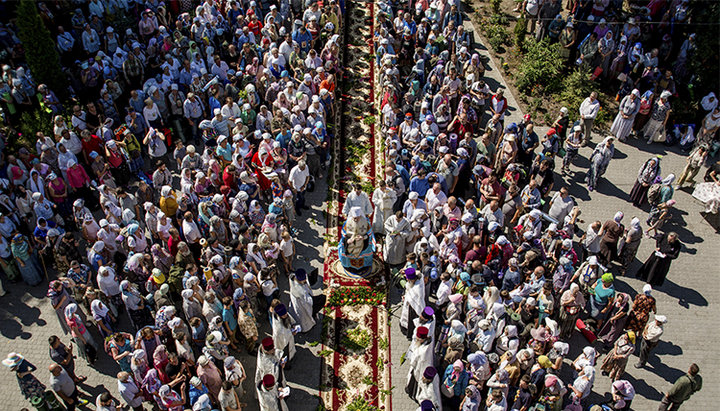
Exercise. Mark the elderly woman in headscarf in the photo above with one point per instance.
(135, 304)
(629, 107)
(90, 228)
(81, 335)
(455, 343)
(139, 364)
(582, 386)
(614, 363)
(643, 304)
(454, 382)
(192, 306)
(26, 260)
(500, 380)
(508, 340)
(210, 375)
(170, 400)
(655, 128)
(479, 368)
(611, 233)
(572, 302)
(646, 177)
(617, 317)
(103, 318)
(599, 160)
(168, 201)
(630, 245)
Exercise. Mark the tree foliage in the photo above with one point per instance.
(540, 68)
(706, 59)
(40, 52)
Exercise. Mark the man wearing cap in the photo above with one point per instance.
(283, 332)
(420, 356)
(301, 300)
(428, 388)
(413, 300)
(270, 396)
(427, 320)
(269, 361)
(650, 338)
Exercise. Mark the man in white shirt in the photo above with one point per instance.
(299, 178)
(588, 111)
(435, 197)
(129, 391)
(493, 212)
(650, 338)
(190, 229)
(413, 203)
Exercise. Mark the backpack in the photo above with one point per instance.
(653, 193)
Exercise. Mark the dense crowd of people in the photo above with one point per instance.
(168, 192)
(497, 267)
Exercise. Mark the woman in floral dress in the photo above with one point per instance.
(643, 305)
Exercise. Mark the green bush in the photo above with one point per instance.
(540, 68)
(30, 123)
(495, 6)
(497, 36)
(576, 87)
(519, 31)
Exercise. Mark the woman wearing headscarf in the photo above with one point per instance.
(80, 333)
(656, 267)
(611, 232)
(655, 128)
(455, 343)
(500, 380)
(582, 386)
(26, 261)
(599, 161)
(103, 318)
(135, 304)
(30, 386)
(454, 382)
(139, 365)
(643, 304)
(629, 107)
(617, 317)
(472, 399)
(614, 363)
(170, 400)
(646, 177)
(602, 297)
(572, 302)
(210, 375)
(630, 244)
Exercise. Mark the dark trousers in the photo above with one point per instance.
(645, 348)
(299, 201)
(74, 397)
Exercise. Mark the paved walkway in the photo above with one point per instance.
(689, 298)
(27, 320)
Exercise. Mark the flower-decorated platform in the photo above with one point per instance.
(356, 339)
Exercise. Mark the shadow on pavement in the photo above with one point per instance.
(686, 296)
